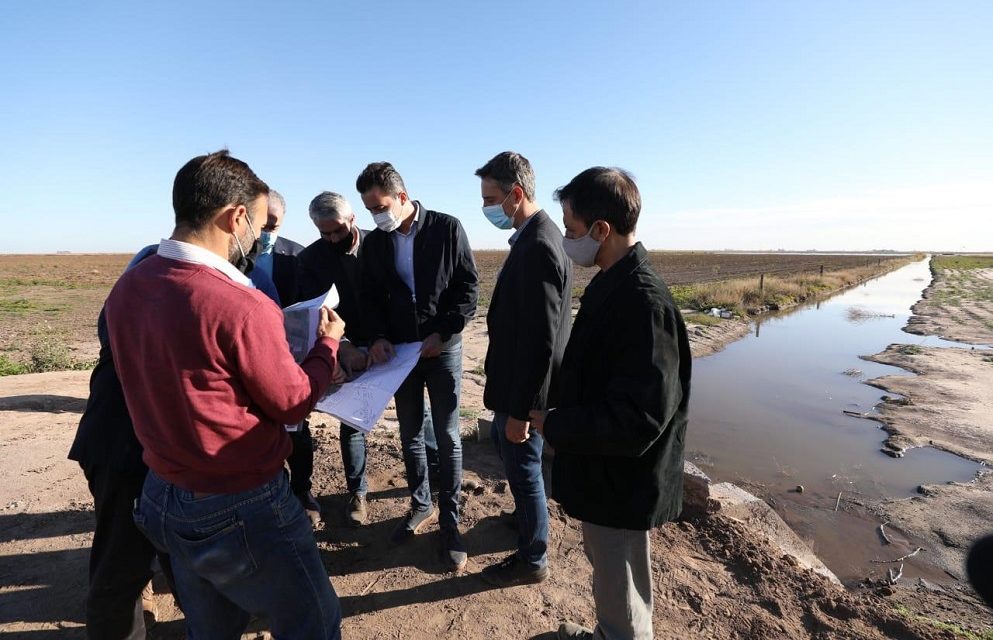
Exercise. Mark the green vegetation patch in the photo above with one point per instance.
(945, 263)
(20, 305)
(10, 367)
(702, 319)
(944, 626)
(911, 350)
(47, 350)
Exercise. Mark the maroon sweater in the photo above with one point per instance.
(208, 376)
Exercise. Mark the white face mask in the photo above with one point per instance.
(583, 250)
(386, 221)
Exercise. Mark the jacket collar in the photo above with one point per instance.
(604, 283)
(529, 223)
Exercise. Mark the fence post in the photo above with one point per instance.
(762, 283)
(822, 271)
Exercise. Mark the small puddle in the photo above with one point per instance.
(767, 413)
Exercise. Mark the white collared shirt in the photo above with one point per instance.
(186, 252)
(403, 248)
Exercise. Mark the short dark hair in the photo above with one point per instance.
(382, 175)
(604, 193)
(507, 169)
(207, 183)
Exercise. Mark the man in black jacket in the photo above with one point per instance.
(335, 260)
(528, 324)
(109, 454)
(619, 422)
(419, 283)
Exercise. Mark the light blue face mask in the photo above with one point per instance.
(495, 214)
(268, 240)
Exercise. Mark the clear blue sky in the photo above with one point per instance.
(749, 125)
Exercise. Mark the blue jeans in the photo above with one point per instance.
(239, 554)
(522, 464)
(443, 378)
(353, 453)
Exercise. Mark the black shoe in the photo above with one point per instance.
(413, 523)
(453, 549)
(356, 512)
(573, 631)
(512, 572)
(509, 519)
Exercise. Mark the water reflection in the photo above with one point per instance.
(768, 411)
(780, 394)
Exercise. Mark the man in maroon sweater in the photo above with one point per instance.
(209, 382)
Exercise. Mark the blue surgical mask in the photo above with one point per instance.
(496, 215)
(268, 240)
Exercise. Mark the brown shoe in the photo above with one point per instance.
(357, 510)
(312, 508)
(412, 523)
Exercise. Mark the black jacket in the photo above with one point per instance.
(619, 427)
(444, 277)
(528, 321)
(285, 270)
(321, 267)
(105, 435)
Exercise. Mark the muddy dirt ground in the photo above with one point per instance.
(948, 404)
(715, 576)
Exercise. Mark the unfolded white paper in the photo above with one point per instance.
(361, 402)
(301, 321)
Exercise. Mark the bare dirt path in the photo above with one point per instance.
(958, 306)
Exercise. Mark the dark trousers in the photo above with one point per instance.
(301, 460)
(443, 378)
(121, 557)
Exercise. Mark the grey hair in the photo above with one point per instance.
(508, 169)
(278, 197)
(328, 204)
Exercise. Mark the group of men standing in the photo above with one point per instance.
(189, 404)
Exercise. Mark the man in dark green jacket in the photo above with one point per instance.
(619, 424)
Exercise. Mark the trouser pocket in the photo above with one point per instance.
(217, 552)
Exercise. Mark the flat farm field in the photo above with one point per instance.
(49, 303)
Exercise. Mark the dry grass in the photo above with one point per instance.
(744, 295)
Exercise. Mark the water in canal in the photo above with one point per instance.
(767, 413)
